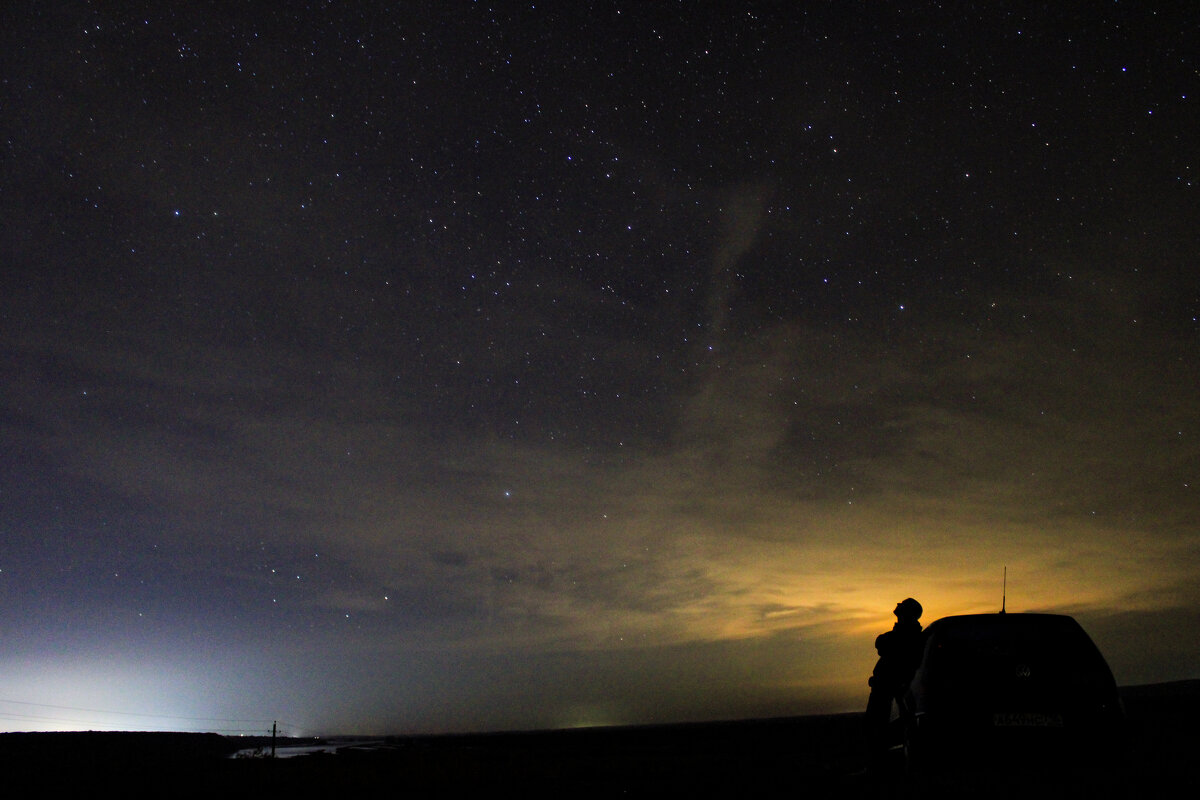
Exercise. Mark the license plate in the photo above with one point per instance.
(1027, 719)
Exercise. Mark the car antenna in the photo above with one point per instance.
(1004, 590)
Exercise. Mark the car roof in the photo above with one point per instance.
(1044, 633)
(1002, 624)
(1024, 619)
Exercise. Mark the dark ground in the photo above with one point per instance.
(797, 757)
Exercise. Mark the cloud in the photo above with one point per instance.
(742, 219)
(804, 481)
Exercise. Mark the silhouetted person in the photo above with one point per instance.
(899, 655)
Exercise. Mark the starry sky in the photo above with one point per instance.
(437, 366)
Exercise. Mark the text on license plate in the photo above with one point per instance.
(1027, 719)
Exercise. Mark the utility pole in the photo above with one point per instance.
(1004, 590)
(274, 730)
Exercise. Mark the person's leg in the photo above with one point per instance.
(875, 723)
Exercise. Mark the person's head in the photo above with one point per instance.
(908, 609)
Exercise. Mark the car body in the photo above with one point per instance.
(1022, 690)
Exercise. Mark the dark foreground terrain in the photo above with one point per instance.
(800, 757)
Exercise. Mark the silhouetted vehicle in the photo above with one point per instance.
(1015, 691)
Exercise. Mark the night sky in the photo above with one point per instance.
(432, 366)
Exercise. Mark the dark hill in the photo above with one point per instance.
(805, 756)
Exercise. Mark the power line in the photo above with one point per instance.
(157, 728)
(136, 714)
(260, 725)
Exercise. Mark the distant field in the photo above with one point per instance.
(796, 757)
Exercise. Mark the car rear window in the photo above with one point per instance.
(1004, 645)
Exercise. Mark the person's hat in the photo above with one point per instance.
(909, 608)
